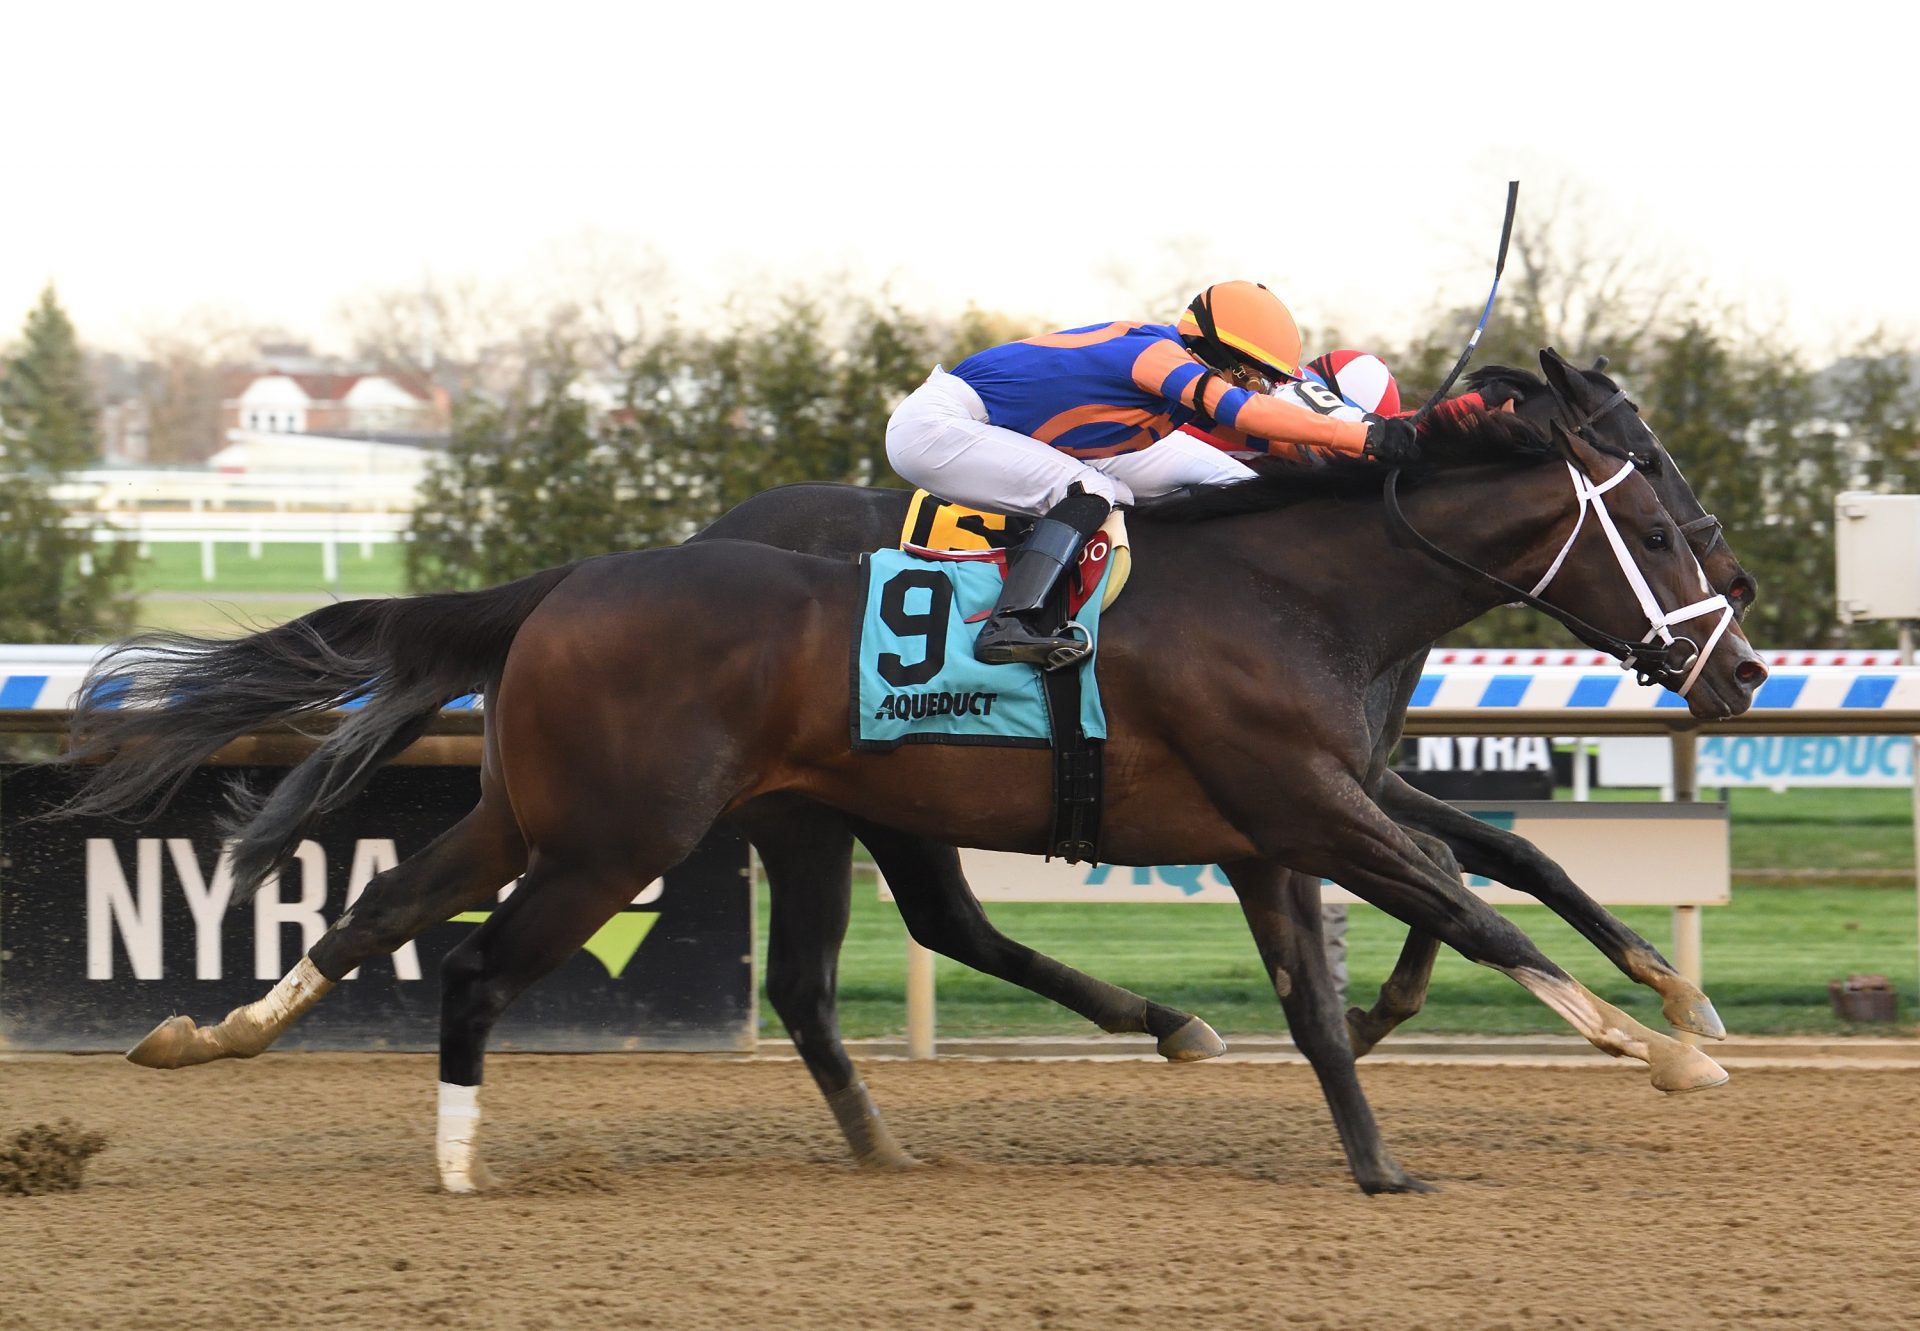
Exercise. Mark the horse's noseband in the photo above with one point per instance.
(1706, 524)
(1652, 662)
(1660, 657)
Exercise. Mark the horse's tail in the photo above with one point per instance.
(155, 707)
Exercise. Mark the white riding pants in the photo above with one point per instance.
(939, 439)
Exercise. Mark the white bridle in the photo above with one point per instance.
(1588, 496)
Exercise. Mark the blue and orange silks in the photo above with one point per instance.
(1107, 389)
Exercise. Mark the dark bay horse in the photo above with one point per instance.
(834, 519)
(800, 842)
(765, 725)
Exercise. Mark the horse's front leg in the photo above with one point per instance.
(1283, 913)
(1500, 855)
(1400, 998)
(1351, 840)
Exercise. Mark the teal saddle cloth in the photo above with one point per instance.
(914, 677)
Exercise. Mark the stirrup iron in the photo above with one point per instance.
(1060, 658)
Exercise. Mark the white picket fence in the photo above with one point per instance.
(194, 490)
(328, 531)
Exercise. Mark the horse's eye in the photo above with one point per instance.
(1657, 539)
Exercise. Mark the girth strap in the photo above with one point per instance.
(1077, 772)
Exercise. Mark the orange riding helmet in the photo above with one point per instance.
(1243, 323)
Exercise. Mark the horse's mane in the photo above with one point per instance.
(1448, 441)
(1499, 384)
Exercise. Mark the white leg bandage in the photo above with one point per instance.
(298, 990)
(456, 1136)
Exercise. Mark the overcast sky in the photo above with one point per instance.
(271, 160)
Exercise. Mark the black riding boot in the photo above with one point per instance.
(1034, 570)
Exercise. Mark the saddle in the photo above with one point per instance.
(939, 529)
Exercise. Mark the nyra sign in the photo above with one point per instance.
(1495, 767)
(129, 881)
(107, 928)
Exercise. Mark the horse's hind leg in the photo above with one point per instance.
(808, 857)
(942, 914)
(1283, 914)
(463, 866)
(1405, 991)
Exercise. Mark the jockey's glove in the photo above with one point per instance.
(1391, 439)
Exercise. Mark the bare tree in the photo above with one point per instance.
(462, 334)
(1581, 281)
(185, 368)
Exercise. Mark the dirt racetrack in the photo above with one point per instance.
(298, 1190)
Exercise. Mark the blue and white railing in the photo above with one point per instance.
(1495, 686)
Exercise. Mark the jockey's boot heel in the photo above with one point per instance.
(1009, 635)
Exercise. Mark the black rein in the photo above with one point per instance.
(1651, 662)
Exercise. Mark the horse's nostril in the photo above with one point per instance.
(1750, 674)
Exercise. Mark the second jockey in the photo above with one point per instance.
(1065, 426)
(1344, 385)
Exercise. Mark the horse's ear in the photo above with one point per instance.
(1566, 380)
(1600, 364)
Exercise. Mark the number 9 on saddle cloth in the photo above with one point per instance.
(914, 676)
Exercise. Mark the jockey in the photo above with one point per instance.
(1067, 425)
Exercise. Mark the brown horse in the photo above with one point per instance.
(942, 914)
(691, 715)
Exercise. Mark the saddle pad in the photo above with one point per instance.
(914, 677)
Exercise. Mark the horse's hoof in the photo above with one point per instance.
(475, 1178)
(167, 1045)
(1685, 1068)
(1397, 1181)
(1194, 1041)
(894, 1159)
(1694, 1014)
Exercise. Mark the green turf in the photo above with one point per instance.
(280, 568)
(1769, 954)
(1822, 829)
(249, 594)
